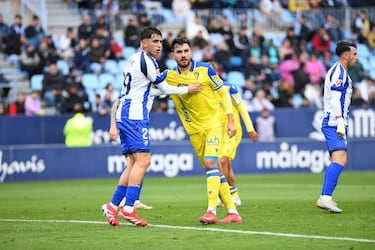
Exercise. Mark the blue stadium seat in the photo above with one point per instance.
(37, 82)
(237, 78)
(118, 82)
(63, 67)
(363, 50)
(128, 51)
(90, 81)
(110, 66)
(120, 66)
(170, 63)
(104, 79)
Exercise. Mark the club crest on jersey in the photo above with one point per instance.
(196, 75)
(338, 82)
(145, 142)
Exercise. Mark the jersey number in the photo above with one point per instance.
(145, 133)
(127, 81)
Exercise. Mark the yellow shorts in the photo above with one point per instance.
(207, 142)
(230, 145)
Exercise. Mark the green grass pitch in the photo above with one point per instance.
(278, 212)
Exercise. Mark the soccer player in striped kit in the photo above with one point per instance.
(338, 90)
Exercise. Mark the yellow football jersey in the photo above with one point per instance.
(200, 111)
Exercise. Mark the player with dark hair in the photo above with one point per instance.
(130, 118)
(201, 117)
(337, 96)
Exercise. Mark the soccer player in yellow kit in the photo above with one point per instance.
(231, 144)
(201, 117)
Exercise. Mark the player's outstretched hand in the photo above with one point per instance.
(194, 88)
(253, 135)
(113, 133)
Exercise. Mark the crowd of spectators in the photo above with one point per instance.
(289, 75)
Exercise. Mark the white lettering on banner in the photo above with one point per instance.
(361, 124)
(292, 157)
(169, 164)
(172, 132)
(34, 165)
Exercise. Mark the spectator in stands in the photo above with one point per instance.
(97, 107)
(272, 52)
(4, 30)
(67, 42)
(321, 41)
(3, 108)
(143, 21)
(182, 9)
(294, 40)
(71, 98)
(131, 34)
(101, 22)
(285, 49)
(30, 61)
(357, 73)
(259, 102)
(54, 84)
(4, 90)
(364, 94)
(108, 95)
(33, 104)
(137, 7)
(266, 126)
(194, 27)
(97, 56)
(371, 39)
(272, 11)
(34, 32)
(47, 53)
(248, 93)
(333, 28)
(315, 69)
(84, 5)
(241, 41)
(286, 91)
(213, 29)
(222, 55)
(167, 41)
(81, 58)
(104, 40)
(328, 59)
(78, 129)
(17, 107)
(16, 37)
(74, 79)
(286, 67)
(115, 50)
(253, 70)
(111, 8)
(361, 26)
(268, 70)
(302, 29)
(299, 6)
(85, 29)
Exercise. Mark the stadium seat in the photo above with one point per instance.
(128, 51)
(37, 82)
(363, 50)
(120, 66)
(110, 66)
(104, 79)
(90, 81)
(63, 67)
(237, 78)
(170, 63)
(118, 82)
(119, 40)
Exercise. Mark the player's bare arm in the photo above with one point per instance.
(113, 131)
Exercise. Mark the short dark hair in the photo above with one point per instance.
(147, 32)
(179, 41)
(344, 46)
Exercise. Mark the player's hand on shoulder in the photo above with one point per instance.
(253, 135)
(194, 88)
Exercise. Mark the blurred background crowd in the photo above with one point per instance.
(277, 52)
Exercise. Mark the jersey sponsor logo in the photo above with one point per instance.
(361, 124)
(290, 156)
(169, 164)
(34, 165)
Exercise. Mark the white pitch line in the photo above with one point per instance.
(289, 235)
